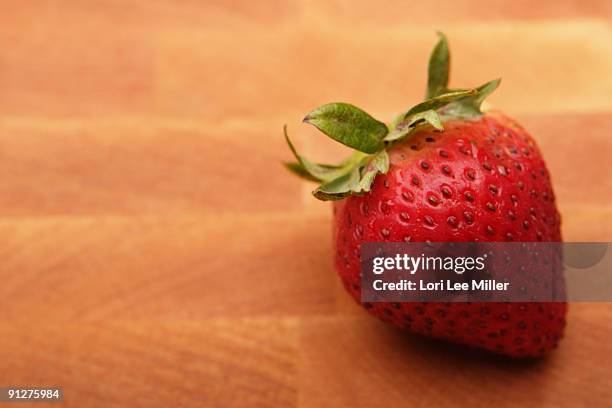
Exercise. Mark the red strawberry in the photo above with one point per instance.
(443, 171)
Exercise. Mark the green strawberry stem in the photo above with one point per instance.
(371, 138)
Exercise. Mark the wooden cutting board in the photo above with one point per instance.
(153, 252)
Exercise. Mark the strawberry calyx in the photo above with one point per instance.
(371, 138)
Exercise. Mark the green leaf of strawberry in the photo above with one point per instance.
(349, 125)
(357, 178)
(340, 187)
(379, 164)
(441, 100)
(312, 171)
(469, 106)
(438, 70)
(404, 128)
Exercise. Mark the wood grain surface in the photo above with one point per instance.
(153, 252)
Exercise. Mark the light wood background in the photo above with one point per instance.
(153, 252)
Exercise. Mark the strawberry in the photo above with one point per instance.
(443, 171)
